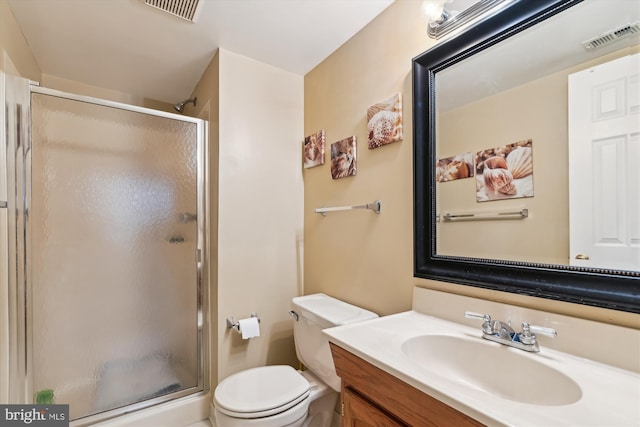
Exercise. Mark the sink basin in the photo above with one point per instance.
(495, 384)
(505, 372)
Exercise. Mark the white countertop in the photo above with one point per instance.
(610, 395)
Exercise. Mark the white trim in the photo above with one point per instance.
(121, 105)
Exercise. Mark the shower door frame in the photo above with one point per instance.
(21, 287)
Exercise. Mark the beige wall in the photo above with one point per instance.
(539, 111)
(256, 198)
(532, 111)
(15, 45)
(358, 256)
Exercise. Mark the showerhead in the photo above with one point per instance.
(180, 105)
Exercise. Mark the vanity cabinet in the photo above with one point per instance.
(360, 412)
(372, 397)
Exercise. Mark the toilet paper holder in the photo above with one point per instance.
(233, 324)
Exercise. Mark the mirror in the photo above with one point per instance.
(507, 91)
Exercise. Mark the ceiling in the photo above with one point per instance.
(127, 46)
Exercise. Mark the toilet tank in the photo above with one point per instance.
(315, 313)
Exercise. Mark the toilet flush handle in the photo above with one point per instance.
(294, 315)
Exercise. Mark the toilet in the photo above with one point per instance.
(281, 396)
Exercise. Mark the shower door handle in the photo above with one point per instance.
(3, 204)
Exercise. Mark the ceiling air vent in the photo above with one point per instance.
(612, 36)
(185, 9)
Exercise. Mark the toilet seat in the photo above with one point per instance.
(261, 392)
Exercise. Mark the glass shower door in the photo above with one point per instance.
(113, 255)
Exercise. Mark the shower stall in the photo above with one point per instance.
(103, 234)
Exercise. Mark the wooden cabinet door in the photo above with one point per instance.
(360, 413)
(374, 398)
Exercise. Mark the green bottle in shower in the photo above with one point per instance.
(44, 397)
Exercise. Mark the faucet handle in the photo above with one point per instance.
(528, 335)
(550, 332)
(473, 315)
(486, 325)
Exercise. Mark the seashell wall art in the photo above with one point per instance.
(313, 150)
(384, 121)
(455, 167)
(505, 172)
(343, 158)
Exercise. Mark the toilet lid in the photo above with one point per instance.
(261, 392)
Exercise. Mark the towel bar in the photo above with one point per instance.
(374, 206)
(481, 216)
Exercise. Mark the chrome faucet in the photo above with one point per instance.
(503, 333)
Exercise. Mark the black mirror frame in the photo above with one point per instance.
(596, 287)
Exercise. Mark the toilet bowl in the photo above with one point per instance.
(269, 396)
(280, 396)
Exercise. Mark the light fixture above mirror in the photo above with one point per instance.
(447, 15)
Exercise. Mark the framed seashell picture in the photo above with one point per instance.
(313, 150)
(456, 167)
(384, 121)
(505, 172)
(343, 158)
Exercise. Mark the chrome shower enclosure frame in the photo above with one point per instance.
(16, 326)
